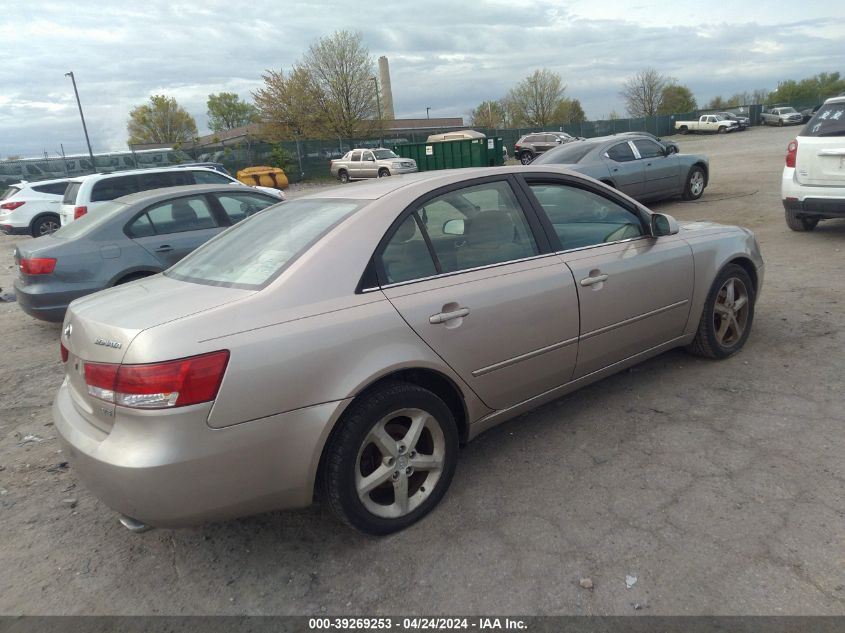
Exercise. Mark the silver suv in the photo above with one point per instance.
(813, 183)
(370, 163)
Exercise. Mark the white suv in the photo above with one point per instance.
(31, 208)
(813, 184)
(89, 192)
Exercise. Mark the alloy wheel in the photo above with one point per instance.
(400, 462)
(730, 312)
(696, 184)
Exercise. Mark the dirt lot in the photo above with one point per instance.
(719, 485)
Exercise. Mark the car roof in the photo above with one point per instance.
(133, 172)
(378, 187)
(34, 183)
(837, 99)
(154, 195)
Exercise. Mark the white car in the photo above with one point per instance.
(813, 184)
(31, 208)
(89, 192)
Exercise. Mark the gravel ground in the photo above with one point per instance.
(718, 485)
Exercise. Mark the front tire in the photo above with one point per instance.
(727, 316)
(383, 172)
(694, 187)
(45, 225)
(391, 460)
(798, 222)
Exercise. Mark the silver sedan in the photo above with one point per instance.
(635, 164)
(345, 344)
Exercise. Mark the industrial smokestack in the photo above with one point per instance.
(386, 93)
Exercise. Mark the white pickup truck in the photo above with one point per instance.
(707, 123)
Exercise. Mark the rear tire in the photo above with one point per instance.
(45, 225)
(800, 223)
(683, 129)
(727, 316)
(343, 176)
(391, 459)
(526, 157)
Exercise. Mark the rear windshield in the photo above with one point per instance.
(829, 120)
(568, 154)
(9, 193)
(70, 192)
(95, 218)
(254, 252)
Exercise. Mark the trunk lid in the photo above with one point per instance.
(99, 328)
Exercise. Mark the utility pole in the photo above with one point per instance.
(81, 116)
(427, 110)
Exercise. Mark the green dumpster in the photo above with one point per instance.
(475, 152)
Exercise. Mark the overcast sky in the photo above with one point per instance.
(448, 55)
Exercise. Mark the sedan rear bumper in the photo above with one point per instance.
(44, 302)
(169, 468)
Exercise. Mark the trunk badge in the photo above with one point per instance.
(68, 330)
(107, 343)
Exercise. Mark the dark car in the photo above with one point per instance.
(125, 239)
(634, 164)
(531, 145)
(808, 113)
(742, 121)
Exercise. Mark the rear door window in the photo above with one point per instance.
(111, 188)
(55, 189)
(191, 213)
(621, 153)
(829, 120)
(158, 180)
(356, 156)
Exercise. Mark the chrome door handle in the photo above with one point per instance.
(165, 248)
(589, 281)
(443, 317)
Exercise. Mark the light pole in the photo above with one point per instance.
(81, 116)
(427, 110)
(378, 104)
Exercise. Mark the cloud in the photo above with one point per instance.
(445, 55)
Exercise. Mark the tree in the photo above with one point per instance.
(489, 114)
(676, 99)
(643, 92)
(717, 103)
(226, 111)
(569, 111)
(329, 92)
(533, 100)
(162, 120)
(811, 89)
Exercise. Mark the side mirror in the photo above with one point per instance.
(663, 224)
(559, 140)
(453, 227)
(671, 148)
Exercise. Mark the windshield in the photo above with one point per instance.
(829, 120)
(384, 154)
(568, 154)
(9, 193)
(90, 221)
(254, 252)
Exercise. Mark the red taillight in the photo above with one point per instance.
(38, 265)
(11, 206)
(63, 351)
(176, 383)
(791, 152)
(78, 212)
